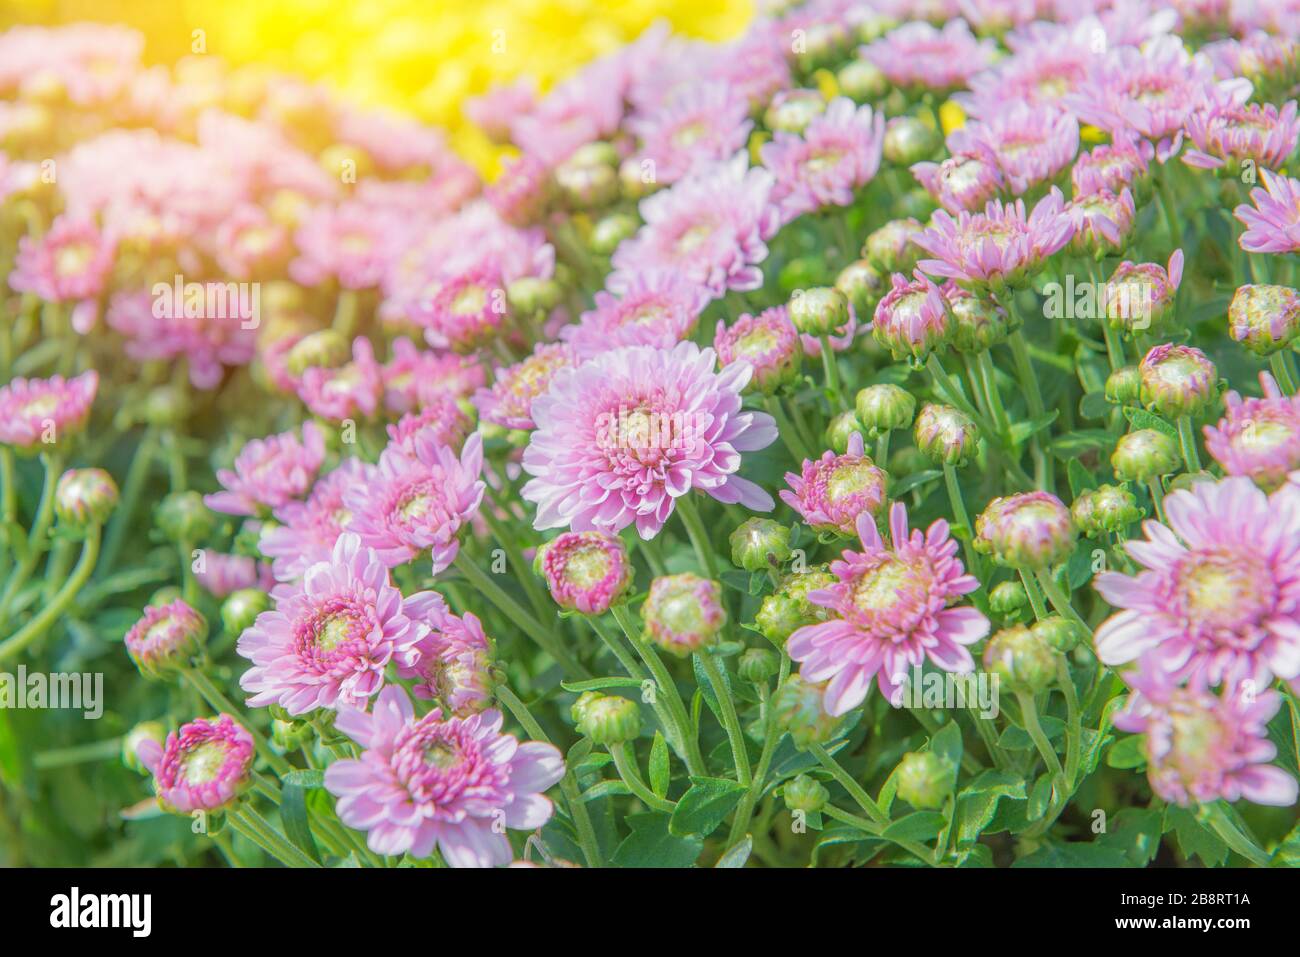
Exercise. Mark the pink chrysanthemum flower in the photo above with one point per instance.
(452, 664)
(204, 766)
(419, 500)
(414, 377)
(1032, 145)
(754, 67)
(619, 438)
(1103, 221)
(347, 391)
(705, 124)
(441, 415)
(965, 181)
(1122, 163)
(831, 493)
(509, 401)
(69, 263)
(521, 193)
(586, 571)
(837, 154)
(466, 311)
(1049, 61)
(495, 110)
(712, 228)
(921, 56)
(1273, 222)
(445, 784)
(208, 343)
(1143, 292)
(270, 472)
(768, 342)
(308, 530)
(996, 249)
(328, 639)
(913, 318)
(1202, 746)
(892, 612)
(1227, 133)
(35, 411)
(1220, 593)
(1151, 92)
(1258, 438)
(222, 574)
(652, 308)
(249, 242)
(166, 638)
(344, 242)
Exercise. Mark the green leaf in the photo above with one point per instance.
(1095, 405)
(659, 766)
(1018, 739)
(737, 856)
(1288, 852)
(917, 826)
(1072, 445)
(1021, 431)
(293, 813)
(1039, 798)
(843, 835)
(1081, 480)
(599, 684)
(1194, 838)
(978, 802)
(901, 487)
(307, 779)
(703, 807)
(651, 845)
(605, 789)
(1081, 854)
(1127, 753)
(1135, 832)
(1142, 419)
(948, 745)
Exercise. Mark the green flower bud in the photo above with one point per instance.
(183, 517)
(758, 544)
(165, 405)
(1124, 386)
(131, 741)
(1026, 530)
(778, 617)
(1264, 319)
(84, 498)
(798, 709)
(606, 719)
(612, 230)
(241, 608)
(806, 794)
(978, 324)
(824, 43)
(840, 429)
(587, 185)
(1060, 634)
(597, 153)
(821, 311)
(1021, 658)
(1007, 598)
(890, 248)
(291, 735)
(528, 295)
(324, 349)
(1178, 380)
(1142, 455)
(862, 80)
(756, 665)
(924, 780)
(909, 140)
(683, 613)
(946, 435)
(1108, 508)
(636, 177)
(792, 110)
(863, 285)
(884, 407)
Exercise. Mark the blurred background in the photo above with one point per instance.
(421, 56)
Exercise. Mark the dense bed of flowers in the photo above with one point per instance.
(871, 440)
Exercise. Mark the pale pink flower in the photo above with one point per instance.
(347, 391)
(452, 664)
(204, 766)
(413, 376)
(440, 414)
(345, 242)
(965, 181)
(326, 642)
(269, 472)
(831, 493)
(71, 262)
(1258, 438)
(1201, 746)
(921, 56)
(495, 110)
(222, 574)
(466, 311)
(1273, 222)
(768, 342)
(619, 438)
(307, 531)
(1227, 133)
(892, 608)
(586, 571)
(35, 410)
(1113, 166)
(1219, 595)
(249, 242)
(162, 328)
(652, 308)
(1032, 144)
(429, 783)
(705, 124)
(837, 154)
(508, 403)
(521, 193)
(419, 500)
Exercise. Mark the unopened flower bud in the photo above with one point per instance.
(862, 81)
(1007, 598)
(946, 435)
(756, 665)
(778, 617)
(884, 407)
(770, 345)
(587, 185)
(797, 708)
(840, 429)
(1060, 634)
(1177, 380)
(863, 285)
(585, 571)
(1108, 508)
(528, 295)
(822, 311)
(909, 140)
(1124, 386)
(792, 110)
(84, 498)
(166, 639)
(324, 349)
(1264, 319)
(1021, 659)
(824, 43)
(759, 544)
(1145, 454)
(291, 735)
(924, 780)
(891, 249)
(183, 517)
(241, 608)
(803, 793)
(144, 731)
(612, 230)
(165, 405)
(683, 613)
(606, 719)
(978, 323)
(1027, 530)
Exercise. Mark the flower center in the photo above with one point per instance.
(333, 631)
(1221, 592)
(849, 478)
(586, 566)
(203, 763)
(41, 406)
(470, 301)
(72, 259)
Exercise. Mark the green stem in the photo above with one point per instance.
(1034, 399)
(1029, 715)
(1280, 363)
(523, 571)
(1157, 496)
(831, 368)
(215, 699)
(50, 613)
(785, 428)
(1243, 844)
(856, 790)
(745, 810)
(1073, 721)
(1187, 440)
(882, 450)
(963, 519)
(36, 537)
(989, 377)
(514, 612)
(1060, 601)
(1035, 594)
(730, 720)
(697, 534)
(276, 843)
(625, 763)
(132, 489)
